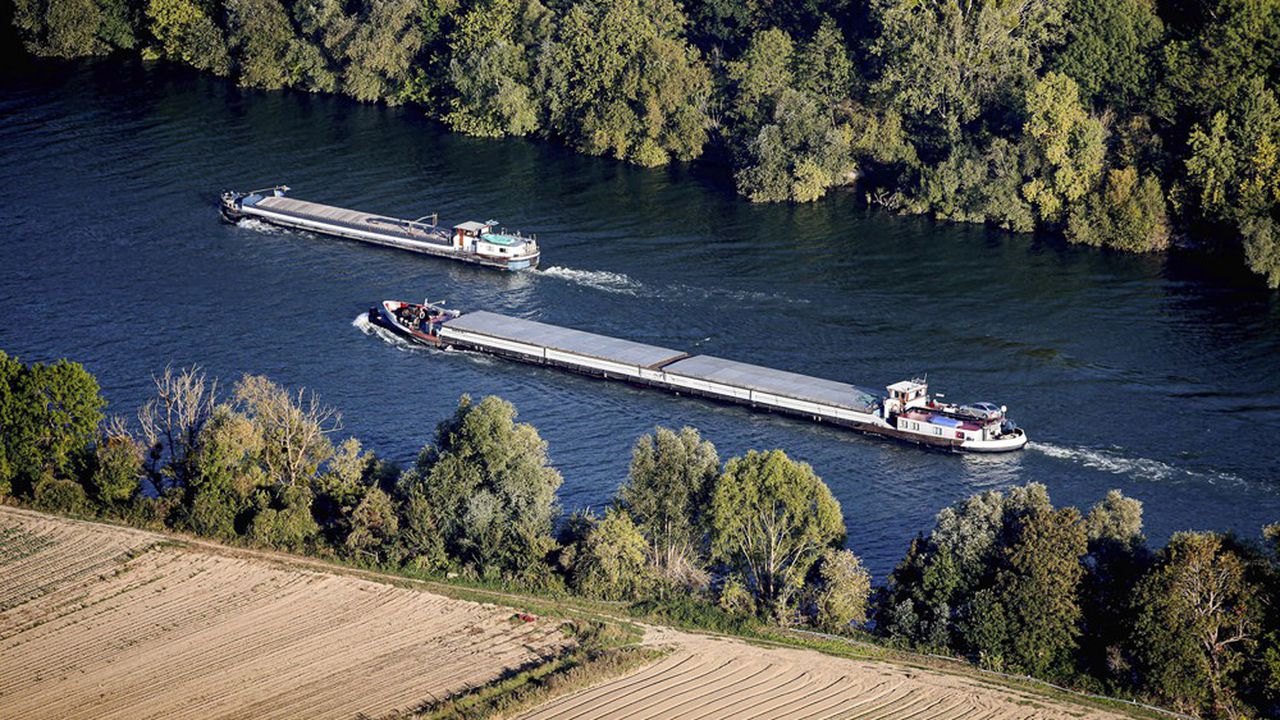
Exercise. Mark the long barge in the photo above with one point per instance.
(904, 412)
(478, 243)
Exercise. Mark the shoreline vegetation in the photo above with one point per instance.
(750, 546)
(1130, 124)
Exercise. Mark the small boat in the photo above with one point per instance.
(904, 411)
(414, 321)
(479, 243)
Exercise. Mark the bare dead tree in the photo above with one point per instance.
(295, 427)
(172, 420)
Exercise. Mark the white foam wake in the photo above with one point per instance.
(368, 328)
(257, 225)
(1112, 461)
(597, 279)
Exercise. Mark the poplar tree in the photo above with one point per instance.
(771, 519)
(667, 491)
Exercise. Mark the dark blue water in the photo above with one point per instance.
(1157, 376)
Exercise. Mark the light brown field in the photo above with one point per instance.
(709, 678)
(105, 622)
(101, 622)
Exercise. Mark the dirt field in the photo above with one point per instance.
(714, 678)
(99, 622)
(104, 622)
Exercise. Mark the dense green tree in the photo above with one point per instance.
(1110, 50)
(489, 484)
(667, 491)
(612, 560)
(374, 526)
(60, 495)
(1117, 558)
(939, 572)
(822, 65)
(324, 30)
(282, 519)
(379, 47)
(771, 519)
(943, 64)
(118, 469)
(798, 156)
(11, 418)
(979, 185)
(75, 28)
(188, 33)
(1212, 165)
(227, 470)
(620, 79)
(492, 68)
(842, 591)
(719, 26)
(1028, 616)
(1197, 618)
(758, 78)
(1067, 141)
(1128, 213)
(734, 598)
(1234, 171)
(1236, 43)
(49, 415)
(421, 541)
(998, 579)
(261, 37)
(348, 478)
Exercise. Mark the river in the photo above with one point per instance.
(1156, 375)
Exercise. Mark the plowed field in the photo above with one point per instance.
(711, 678)
(99, 622)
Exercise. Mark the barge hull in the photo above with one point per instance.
(353, 225)
(701, 376)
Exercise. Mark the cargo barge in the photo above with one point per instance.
(905, 411)
(478, 243)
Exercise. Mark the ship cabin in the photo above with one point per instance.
(906, 394)
(909, 408)
(485, 238)
(465, 235)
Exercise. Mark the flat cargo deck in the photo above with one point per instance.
(554, 337)
(775, 382)
(354, 219)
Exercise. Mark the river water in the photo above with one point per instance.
(1159, 376)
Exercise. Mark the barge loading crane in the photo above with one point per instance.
(905, 411)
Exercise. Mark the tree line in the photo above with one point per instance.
(1004, 579)
(1119, 123)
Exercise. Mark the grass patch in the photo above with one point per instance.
(603, 651)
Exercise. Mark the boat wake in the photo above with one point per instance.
(362, 323)
(1112, 461)
(596, 279)
(399, 342)
(258, 226)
